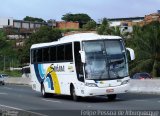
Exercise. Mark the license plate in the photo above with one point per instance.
(110, 90)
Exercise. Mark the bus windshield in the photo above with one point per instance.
(105, 59)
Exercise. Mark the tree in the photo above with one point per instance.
(51, 22)
(44, 34)
(2, 39)
(146, 43)
(116, 31)
(91, 25)
(104, 28)
(33, 19)
(8, 55)
(81, 18)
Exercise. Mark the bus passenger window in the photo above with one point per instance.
(45, 54)
(33, 56)
(60, 53)
(68, 52)
(39, 55)
(53, 54)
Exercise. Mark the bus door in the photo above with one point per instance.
(79, 65)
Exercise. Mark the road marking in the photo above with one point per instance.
(51, 100)
(8, 88)
(39, 114)
(140, 100)
(3, 93)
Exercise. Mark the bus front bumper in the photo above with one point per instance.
(94, 91)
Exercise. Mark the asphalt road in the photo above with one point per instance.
(22, 100)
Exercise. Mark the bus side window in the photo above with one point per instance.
(68, 52)
(33, 56)
(60, 53)
(46, 54)
(78, 63)
(53, 54)
(39, 55)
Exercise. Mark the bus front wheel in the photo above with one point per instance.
(111, 97)
(73, 94)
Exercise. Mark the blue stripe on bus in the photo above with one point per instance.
(51, 81)
(41, 79)
(37, 73)
(48, 82)
(41, 71)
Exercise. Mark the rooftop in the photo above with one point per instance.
(129, 18)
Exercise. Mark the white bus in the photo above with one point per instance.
(81, 65)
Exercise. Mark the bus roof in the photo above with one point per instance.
(76, 37)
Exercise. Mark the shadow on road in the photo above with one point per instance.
(93, 99)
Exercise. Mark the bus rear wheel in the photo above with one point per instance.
(73, 94)
(112, 97)
(44, 94)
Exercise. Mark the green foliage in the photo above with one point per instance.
(14, 73)
(81, 18)
(33, 19)
(91, 25)
(8, 55)
(146, 43)
(105, 29)
(3, 42)
(44, 34)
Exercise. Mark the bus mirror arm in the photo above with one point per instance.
(131, 53)
(83, 56)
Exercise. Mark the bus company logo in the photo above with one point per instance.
(59, 68)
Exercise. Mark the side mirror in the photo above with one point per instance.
(83, 56)
(131, 53)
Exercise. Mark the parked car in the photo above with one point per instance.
(2, 80)
(142, 75)
(4, 75)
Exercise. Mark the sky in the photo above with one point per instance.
(96, 9)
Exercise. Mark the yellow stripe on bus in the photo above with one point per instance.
(54, 79)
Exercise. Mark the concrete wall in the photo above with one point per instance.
(67, 25)
(115, 23)
(6, 22)
(18, 80)
(151, 86)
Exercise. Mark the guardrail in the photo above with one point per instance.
(18, 80)
(151, 86)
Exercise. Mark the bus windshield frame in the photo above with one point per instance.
(106, 59)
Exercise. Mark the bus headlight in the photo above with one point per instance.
(91, 84)
(125, 82)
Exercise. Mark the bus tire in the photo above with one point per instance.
(3, 83)
(44, 94)
(112, 97)
(73, 94)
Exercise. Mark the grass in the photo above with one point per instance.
(12, 73)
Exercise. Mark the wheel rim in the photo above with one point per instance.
(74, 96)
(43, 91)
